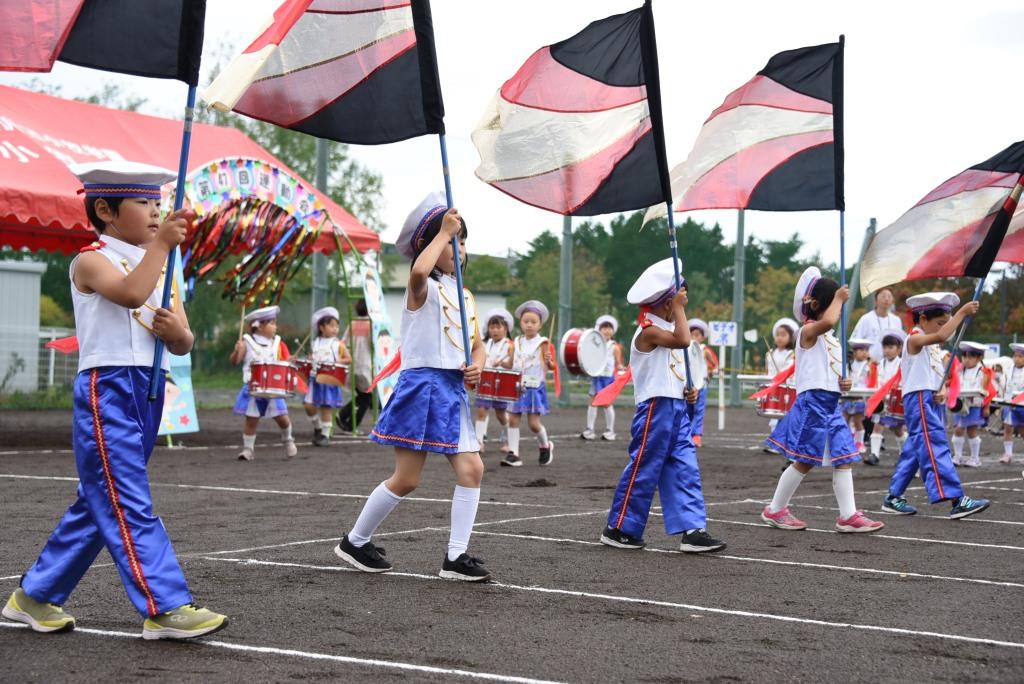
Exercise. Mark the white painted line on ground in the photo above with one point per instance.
(661, 604)
(311, 655)
(287, 492)
(748, 559)
(877, 535)
(10, 577)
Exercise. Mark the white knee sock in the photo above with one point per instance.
(842, 485)
(481, 430)
(858, 436)
(249, 441)
(542, 437)
(975, 444)
(876, 443)
(788, 482)
(772, 423)
(609, 418)
(591, 417)
(958, 446)
(314, 420)
(901, 440)
(286, 433)
(513, 440)
(1008, 448)
(377, 507)
(464, 504)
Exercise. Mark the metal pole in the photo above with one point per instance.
(842, 281)
(674, 245)
(318, 299)
(455, 253)
(738, 287)
(565, 299)
(869, 235)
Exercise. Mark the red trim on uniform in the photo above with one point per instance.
(115, 499)
(636, 464)
(928, 445)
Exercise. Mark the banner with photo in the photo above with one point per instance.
(384, 346)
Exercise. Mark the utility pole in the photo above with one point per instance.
(319, 293)
(565, 300)
(869, 235)
(738, 286)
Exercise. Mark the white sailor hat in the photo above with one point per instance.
(319, 314)
(973, 348)
(503, 314)
(859, 343)
(1017, 347)
(655, 284)
(933, 300)
(408, 242)
(534, 306)
(266, 313)
(122, 179)
(610, 320)
(892, 332)
(803, 289)
(699, 324)
(785, 322)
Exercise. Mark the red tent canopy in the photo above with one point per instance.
(41, 134)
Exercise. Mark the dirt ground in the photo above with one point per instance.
(927, 599)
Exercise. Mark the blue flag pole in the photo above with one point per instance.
(679, 282)
(179, 199)
(842, 282)
(455, 253)
(963, 330)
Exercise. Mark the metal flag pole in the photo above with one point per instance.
(455, 253)
(679, 282)
(179, 200)
(963, 330)
(842, 283)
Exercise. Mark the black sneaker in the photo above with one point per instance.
(511, 460)
(465, 568)
(870, 459)
(699, 541)
(964, 506)
(368, 558)
(320, 439)
(546, 456)
(620, 540)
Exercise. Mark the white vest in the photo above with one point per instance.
(972, 378)
(698, 365)
(110, 334)
(432, 335)
(259, 349)
(819, 367)
(324, 350)
(1014, 382)
(498, 351)
(528, 358)
(609, 359)
(657, 373)
(859, 373)
(923, 370)
(779, 360)
(887, 369)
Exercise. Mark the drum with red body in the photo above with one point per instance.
(272, 380)
(304, 368)
(499, 384)
(335, 374)
(584, 351)
(776, 403)
(894, 404)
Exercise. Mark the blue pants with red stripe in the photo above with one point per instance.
(661, 457)
(926, 448)
(114, 430)
(699, 409)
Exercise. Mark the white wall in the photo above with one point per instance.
(19, 322)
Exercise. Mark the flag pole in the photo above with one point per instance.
(455, 253)
(842, 283)
(679, 282)
(179, 199)
(962, 330)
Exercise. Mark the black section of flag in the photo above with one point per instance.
(430, 81)
(804, 182)
(806, 70)
(607, 50)
(631, 185)
(1010, 160)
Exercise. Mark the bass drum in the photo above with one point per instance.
(583, 351)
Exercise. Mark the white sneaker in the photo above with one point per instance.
(608, 436)
(974, 462)
(588, 434)
(957, 460)
(290, 449)
(1007, 458)
(246, 455)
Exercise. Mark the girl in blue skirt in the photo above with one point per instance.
(429, 409)
(814, 433)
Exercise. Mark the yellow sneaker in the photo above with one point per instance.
(41, 617)
(186, 622)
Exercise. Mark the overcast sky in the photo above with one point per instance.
(931, 89)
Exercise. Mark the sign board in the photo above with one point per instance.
(722, 333)
(994, 350)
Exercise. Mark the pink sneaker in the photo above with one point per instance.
(1006, 459)
(861, 449)
(858, 522)
(783, 520)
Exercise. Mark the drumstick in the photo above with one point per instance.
(241, 322)
(551, 332)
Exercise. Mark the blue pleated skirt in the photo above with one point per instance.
(814, 432)
(428, 411)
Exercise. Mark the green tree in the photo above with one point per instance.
(485, 273)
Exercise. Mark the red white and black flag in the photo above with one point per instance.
(578, 129)
(774, 144)
(958, 229)
(162, 38)
(354, 71)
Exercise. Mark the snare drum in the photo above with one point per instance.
(894, 404)
(334, 374)
(304, 368)
(272, 380)
(776, 403)
(584, 351)
(499, 384)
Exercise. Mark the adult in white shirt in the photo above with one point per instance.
(873, 325)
